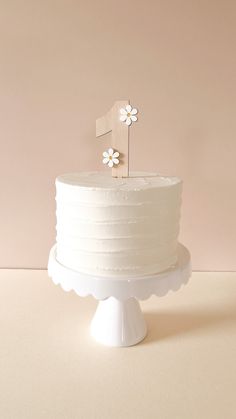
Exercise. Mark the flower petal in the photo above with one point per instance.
(123, 118)
(134, 111)
(105, 154)
(110, 164)
(128, 108)
(133, 118)
(116, 154)
(110, 151)
(123, 111)
(128, 121)
(116, 161)
(106, 160)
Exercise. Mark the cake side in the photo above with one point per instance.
(117, 227)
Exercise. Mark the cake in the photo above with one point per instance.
(117, 227)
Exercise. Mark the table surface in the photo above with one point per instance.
(50, 367)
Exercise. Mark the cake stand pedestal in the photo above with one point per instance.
(118, 320)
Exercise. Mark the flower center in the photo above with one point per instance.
(128, 114)
(110, 157)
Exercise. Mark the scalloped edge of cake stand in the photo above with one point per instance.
(140, 287)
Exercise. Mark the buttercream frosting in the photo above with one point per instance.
(117, 227)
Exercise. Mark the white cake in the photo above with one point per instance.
(117, 227)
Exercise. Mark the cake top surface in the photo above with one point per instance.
(102, 180)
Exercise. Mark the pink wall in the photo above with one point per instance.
(63, 63)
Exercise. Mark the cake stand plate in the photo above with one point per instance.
(118, 320)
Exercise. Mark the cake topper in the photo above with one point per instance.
(117, 121)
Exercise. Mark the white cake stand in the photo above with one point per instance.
(118, 320)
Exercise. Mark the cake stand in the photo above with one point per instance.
(118, 320)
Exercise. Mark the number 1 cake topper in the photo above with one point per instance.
(117, 121)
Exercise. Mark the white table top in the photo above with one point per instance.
(52, 369)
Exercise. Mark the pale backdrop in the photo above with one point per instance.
(64, 62)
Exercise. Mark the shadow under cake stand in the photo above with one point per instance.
(118, 320)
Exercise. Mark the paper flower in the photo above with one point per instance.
(110, 157)
(128, 114)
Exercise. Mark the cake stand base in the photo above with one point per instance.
(118, 320)
(118, 323)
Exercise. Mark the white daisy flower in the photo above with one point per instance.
(128, 114)
(110, 157)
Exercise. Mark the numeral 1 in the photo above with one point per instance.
(119, 134)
